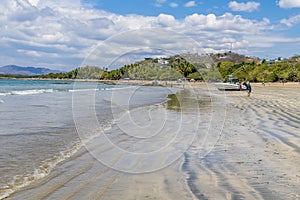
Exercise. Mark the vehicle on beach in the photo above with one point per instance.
(232, 84)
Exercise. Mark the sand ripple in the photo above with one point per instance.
(257, 157)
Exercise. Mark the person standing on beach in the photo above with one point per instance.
(249, 88)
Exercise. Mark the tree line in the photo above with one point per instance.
(177, 67)
(279, 71)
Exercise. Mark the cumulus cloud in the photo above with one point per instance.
(61, 36)
(190, 4)
(34, 2)
(248, 7)
(289, 3)
(291, 21)
(59, 3)
(166, 20)
(225, 23)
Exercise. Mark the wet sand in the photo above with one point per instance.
(256, 157)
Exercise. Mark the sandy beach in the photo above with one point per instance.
(254, 154)
(150, 100)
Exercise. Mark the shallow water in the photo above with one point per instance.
(43, 123)
(253, 154)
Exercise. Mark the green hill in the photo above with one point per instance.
(193, 66)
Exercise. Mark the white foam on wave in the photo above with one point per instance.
(27, 92)
(4, 94)
(100, 89)
(83, 90)
(39, 172)
(48, 165)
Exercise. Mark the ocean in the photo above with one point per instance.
(45, 122)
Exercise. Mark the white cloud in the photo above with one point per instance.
(190, 4)
(166, 20)
(289, 3)
(228, 23)
(248, 7)
(29, 52)
(291, 21)
(173, 5)
(61, 36)
(60, 4)
(34, 2)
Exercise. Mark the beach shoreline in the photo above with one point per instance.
(256, 157)
(161, 83)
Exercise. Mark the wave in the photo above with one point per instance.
(101, 89)
(4, 94)
(40, 91)
(83, 90)
(27, 92)
(20, 181)
(119, 88)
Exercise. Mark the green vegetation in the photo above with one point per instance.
(8, 76)
(176, 67)
(287, 71)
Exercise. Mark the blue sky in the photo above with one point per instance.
(64, 34)
(179, 9)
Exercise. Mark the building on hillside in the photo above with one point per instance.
(273, 61)
(163, 61)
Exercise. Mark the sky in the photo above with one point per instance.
(65, 34)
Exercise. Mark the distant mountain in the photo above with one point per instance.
(27, 71)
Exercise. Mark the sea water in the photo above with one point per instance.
(40, 121)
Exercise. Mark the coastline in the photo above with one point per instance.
(162, 83)
(257, 157)
(44, 170)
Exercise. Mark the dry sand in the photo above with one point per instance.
(257, 157)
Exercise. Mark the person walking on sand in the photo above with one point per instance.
(249, 88)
